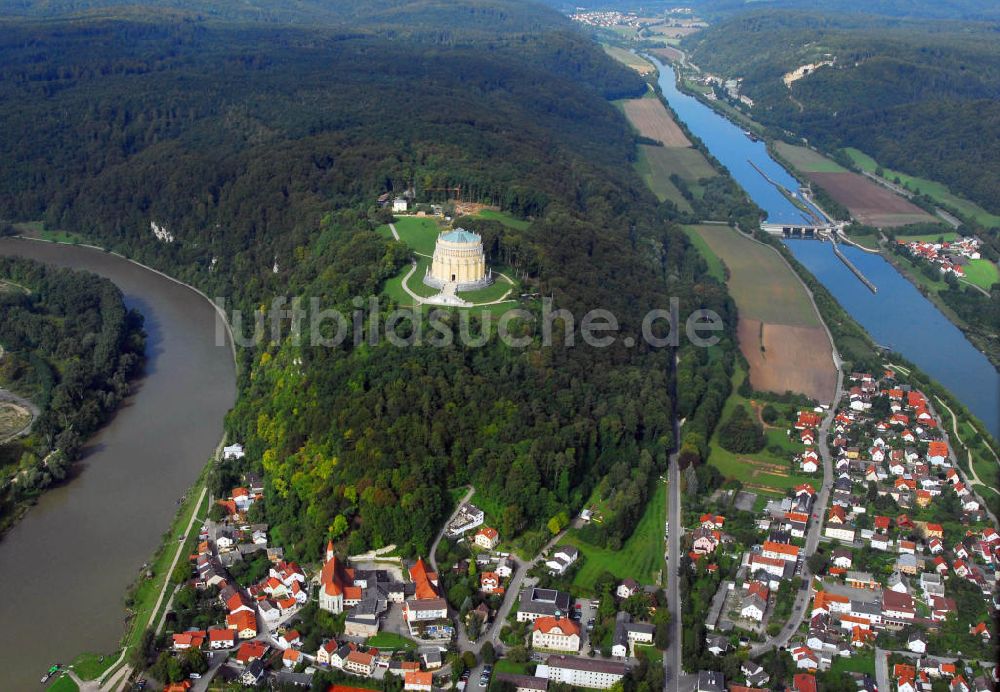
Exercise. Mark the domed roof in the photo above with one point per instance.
(460, 235)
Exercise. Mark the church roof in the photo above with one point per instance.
(460, 235)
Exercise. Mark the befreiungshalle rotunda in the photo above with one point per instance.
(459, 261)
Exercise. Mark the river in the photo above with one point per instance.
(67, 564)
(898, 316)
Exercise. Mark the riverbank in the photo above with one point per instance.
(145, 599)
(147, 593)
(154, 581)
(109, 520)
(928, 287)
(930, 290)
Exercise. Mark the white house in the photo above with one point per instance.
(487, 538)
(582, 672)
(752, 608)
(627, 588)
(562, 557)
(399, 204)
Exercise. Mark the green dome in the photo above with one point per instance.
(460, 235)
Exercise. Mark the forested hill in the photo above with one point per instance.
(923, 97)
(352, 15)
(262, 148)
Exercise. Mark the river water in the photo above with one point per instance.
(66, 566)
(898, 316)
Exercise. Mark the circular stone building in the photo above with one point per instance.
(459, 260)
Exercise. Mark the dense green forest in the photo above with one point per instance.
(70, 346)
(259, 144)
(919, 96)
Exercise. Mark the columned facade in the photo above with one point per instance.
(459, 260)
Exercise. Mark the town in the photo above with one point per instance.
(245, 615)
(882, 577)
(949, 257)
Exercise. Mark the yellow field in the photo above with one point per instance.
(652, 120)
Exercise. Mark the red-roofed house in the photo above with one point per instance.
(244, 622)
(487, 538)
(489, 582)
(808, 419)
(937, 452)
(418, 680)
(804, 682)
(555, 634)
(250, 651)
(189, 640)
(221, 639)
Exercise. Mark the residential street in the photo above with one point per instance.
(815, 529)
(672, 656)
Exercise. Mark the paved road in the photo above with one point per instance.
(815, 529)
(882, 669)
(520, 578)
(672, 656)
(437, 539)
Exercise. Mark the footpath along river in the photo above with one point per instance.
(898, 316)
(65, 567)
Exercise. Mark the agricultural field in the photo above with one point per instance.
(716, 268)
(689, 164)
(770, 471)
(936, 191)
(780, 332)
(668, 53)
(641, 557)
(982, 273)
(630, 59)
(870, 203)
(945, 236)
(651, 119)
(672, 31)
(654, 165)
(806, 160)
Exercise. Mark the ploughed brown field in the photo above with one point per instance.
(652, 120)
(780, 332)
(668, 52)
(785, 358)
(868, 201)
(673, 31)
